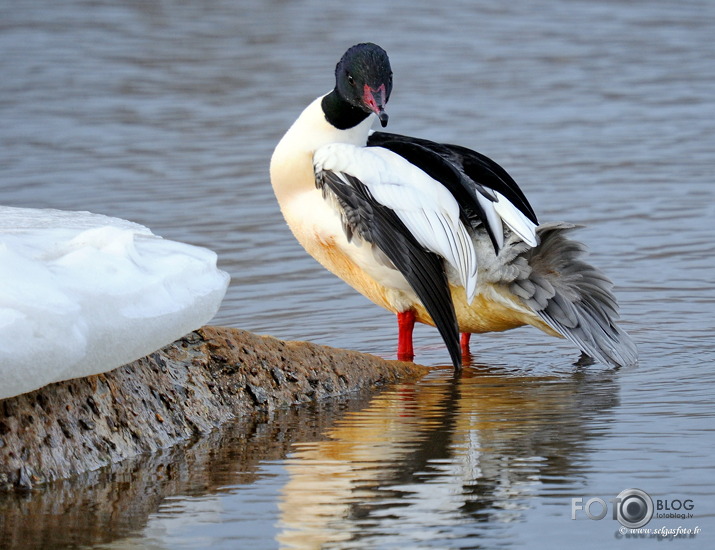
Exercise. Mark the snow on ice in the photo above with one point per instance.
(83, 293)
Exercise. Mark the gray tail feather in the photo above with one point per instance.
(573, 297)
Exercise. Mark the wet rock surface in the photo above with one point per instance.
(187, 389)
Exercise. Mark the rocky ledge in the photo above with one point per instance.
(184, 390)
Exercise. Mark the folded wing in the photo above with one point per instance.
(410, 217)
(485, 192)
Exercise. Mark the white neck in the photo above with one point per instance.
(292, 160)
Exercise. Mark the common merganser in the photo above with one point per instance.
(435, 233)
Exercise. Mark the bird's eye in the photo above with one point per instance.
(351, 80)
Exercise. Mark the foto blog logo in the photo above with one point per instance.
(632, 508)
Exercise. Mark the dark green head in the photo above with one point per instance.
(363, 78)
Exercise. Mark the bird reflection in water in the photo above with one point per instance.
(466, 449)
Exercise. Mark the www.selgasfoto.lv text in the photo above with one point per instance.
(659, 532)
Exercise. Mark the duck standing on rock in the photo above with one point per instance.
(435, 233)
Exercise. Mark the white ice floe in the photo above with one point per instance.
(82, 294)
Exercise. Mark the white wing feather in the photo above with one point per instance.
(515, 220)
(493, 218)
(425, 206)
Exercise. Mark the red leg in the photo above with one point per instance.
(405, 324)
(464, 342)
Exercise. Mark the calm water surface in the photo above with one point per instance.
(166, 113)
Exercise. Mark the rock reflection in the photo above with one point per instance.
(463, 453)
(113, 505)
